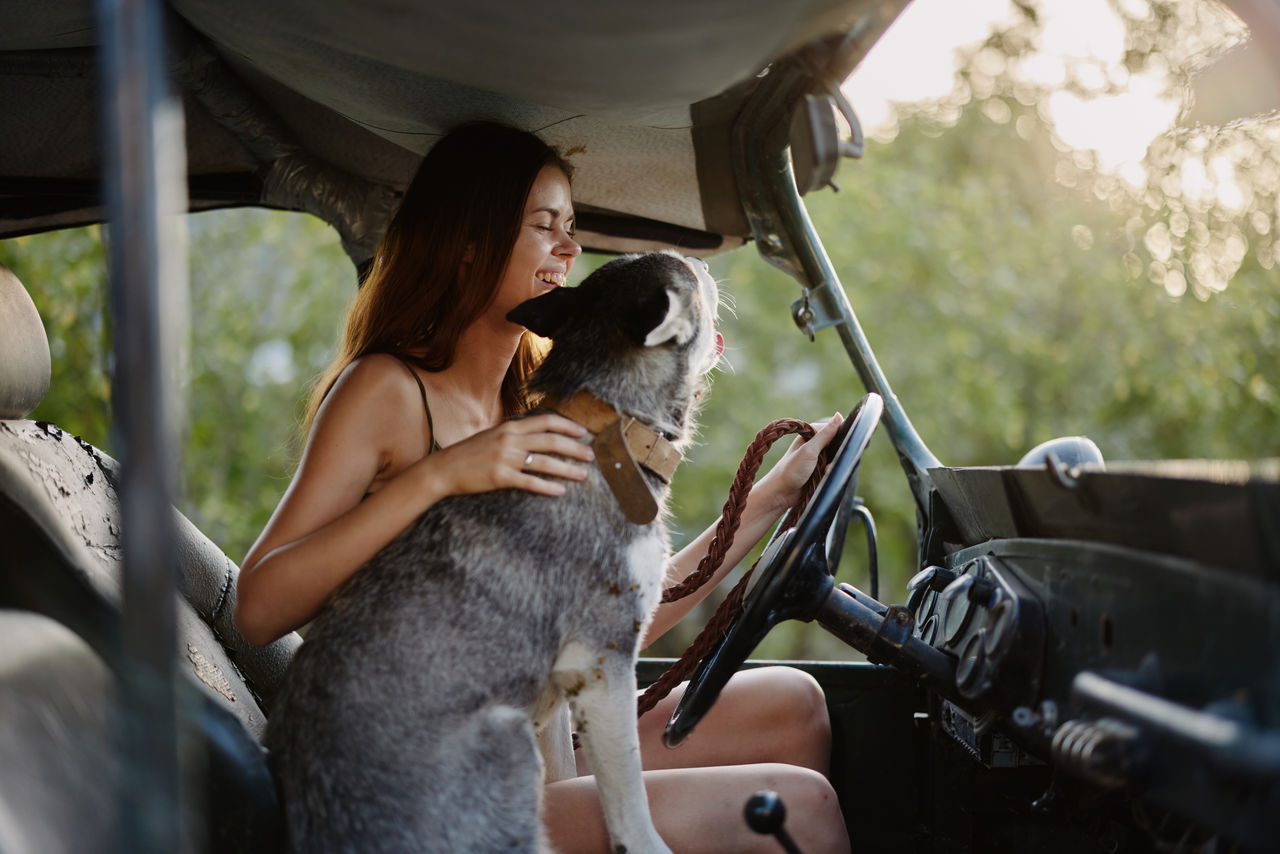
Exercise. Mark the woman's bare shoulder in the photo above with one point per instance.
(377, 367)
(375, 376)
(374, 390)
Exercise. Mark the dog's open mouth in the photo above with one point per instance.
(719, 345)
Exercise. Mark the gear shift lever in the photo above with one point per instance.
(765, 814)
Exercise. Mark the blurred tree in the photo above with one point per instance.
(269, 292)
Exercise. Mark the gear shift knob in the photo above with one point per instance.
(765, 814)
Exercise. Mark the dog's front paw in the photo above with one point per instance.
(651, 844)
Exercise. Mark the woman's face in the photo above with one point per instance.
(544, 251)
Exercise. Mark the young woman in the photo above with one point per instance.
(415, 408)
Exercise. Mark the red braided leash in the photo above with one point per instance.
(726, 529)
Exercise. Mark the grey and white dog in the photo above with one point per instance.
(408, 721)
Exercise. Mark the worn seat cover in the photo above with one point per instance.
(62, 766)
(59, 514)
(60, 550)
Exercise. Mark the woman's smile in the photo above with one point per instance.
(545, 250)
(556, 280)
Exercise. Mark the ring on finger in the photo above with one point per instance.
(528, 459)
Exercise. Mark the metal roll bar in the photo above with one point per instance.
(785, 235)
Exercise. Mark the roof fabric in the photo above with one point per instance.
(364, 90)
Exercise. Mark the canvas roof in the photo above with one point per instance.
(327, 106)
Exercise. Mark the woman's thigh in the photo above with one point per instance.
(769, 714)
(701, 810)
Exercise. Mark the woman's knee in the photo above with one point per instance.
(790, 690)
(813, 814)
(792, 702)
(769, 714)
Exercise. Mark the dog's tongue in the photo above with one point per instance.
(719, 344)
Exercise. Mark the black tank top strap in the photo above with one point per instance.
(422, 390)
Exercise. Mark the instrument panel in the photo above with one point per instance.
(990, 621)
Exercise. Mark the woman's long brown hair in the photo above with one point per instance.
(465, 202)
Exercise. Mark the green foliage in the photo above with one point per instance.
(269, 291)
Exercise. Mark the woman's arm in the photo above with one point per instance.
(772, 496)
(325, 527)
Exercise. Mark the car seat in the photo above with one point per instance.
(60, 625)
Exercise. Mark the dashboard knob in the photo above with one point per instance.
(932, 578)
(982, 592)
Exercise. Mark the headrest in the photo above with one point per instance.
(24, 350)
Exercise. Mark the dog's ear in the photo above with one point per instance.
(661, 317)
(546, 315)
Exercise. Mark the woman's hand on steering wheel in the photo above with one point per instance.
(790, 578)
(782, 485)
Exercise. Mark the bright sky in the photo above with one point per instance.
(914, 61)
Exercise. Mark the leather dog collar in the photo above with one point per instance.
(623, 445)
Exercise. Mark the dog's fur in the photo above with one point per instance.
(407, 720)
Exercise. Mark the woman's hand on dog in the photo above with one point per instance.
(523, 454)
(785, 480)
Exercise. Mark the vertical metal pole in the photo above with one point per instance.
(786, 238)
(144, 187)
(816, 272)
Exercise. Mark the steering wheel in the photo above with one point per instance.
(791, 580)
